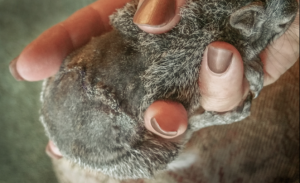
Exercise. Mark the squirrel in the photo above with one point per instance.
(92, 109)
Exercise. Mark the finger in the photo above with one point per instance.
(52, 151)
(282, 54)
(221, 79)
(42, 58)
(166, 119)
(158, 16)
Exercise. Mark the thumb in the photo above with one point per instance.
(221, 79)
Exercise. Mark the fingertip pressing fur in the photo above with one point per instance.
(93, 108)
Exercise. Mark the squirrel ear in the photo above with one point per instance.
(249, 18)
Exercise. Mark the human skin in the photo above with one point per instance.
(42, 58)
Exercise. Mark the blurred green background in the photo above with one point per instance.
(23, 141)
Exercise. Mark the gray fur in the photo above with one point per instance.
(93, 108)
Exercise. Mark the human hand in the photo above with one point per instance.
(221, 70)
(42, 59)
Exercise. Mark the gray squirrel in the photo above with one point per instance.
(92, 109)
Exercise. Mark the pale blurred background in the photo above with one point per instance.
(23, 141)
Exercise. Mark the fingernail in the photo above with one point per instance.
(155, 13)
(218, 59)
(13, 69)
(52, 151)
(158, 129)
